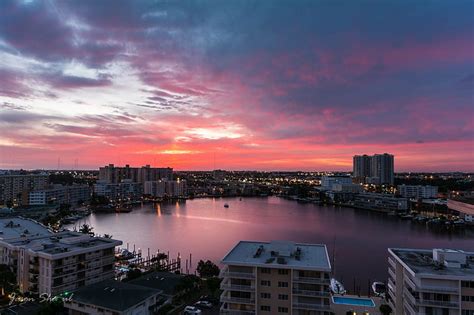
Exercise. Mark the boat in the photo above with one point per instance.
(337, 287)
(379, 289)
(123, 208)
(226, 205)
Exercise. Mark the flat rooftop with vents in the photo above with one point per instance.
(11, 228)
(56, 245)
(279, 254)
(436, 262)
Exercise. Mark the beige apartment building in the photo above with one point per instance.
(431, 282)
(13, 187)
(276, 278)
(52, 263)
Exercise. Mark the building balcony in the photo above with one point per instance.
(311, 306)
(237, 300)
(392, 273)
(311, 293)
(436, 303)
(409, 307)
(237, 275)
(33, 279)
(311, 280)
(409, 296)
(391, 285)
(235, 287)
(228, 311)
(33, 271)
(438, 289)
(391, 262)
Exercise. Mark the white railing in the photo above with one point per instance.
(235, 287)
(310, 293)
(241, 275)
(237, 300)
(311, 280)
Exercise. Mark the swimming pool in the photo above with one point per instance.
(353, 301)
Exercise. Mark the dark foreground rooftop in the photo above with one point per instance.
(114, 295)
(163, 281)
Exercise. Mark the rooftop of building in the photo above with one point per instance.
(60, 243)
(160, 280)
(437, 262)
(113, 295)
(279, 254)
(12, 228)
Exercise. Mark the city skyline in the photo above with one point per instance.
(236, 85)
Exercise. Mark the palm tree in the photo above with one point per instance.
(87, 229)
(385, 309)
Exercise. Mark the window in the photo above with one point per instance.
(467, 284)
(266, 270)
(282, 309)
(265, 308)
(282, 284)
(265, 283)
(265, 295)
(283, 297)
(282, 271)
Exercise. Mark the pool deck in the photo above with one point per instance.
(341, 309)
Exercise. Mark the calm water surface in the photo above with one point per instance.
(206, 229)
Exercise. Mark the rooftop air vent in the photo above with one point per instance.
(258, 252)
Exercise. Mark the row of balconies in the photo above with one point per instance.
(238, 275)
(434, 289)
(313, 293)
(425, 302)
(251, 288)
(90, 266)
(237, 287)
(250, 275)
(227, 311)
(311, 306)
(238, 300)
(311, 280)
(104, 275)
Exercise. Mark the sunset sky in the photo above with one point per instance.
(259, 85)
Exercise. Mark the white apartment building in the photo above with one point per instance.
(380, 202)
(431, 282)
(276, 278)
(59, 194)
(51, 263)
(114, 191)
(328, 182)
(418, 191)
